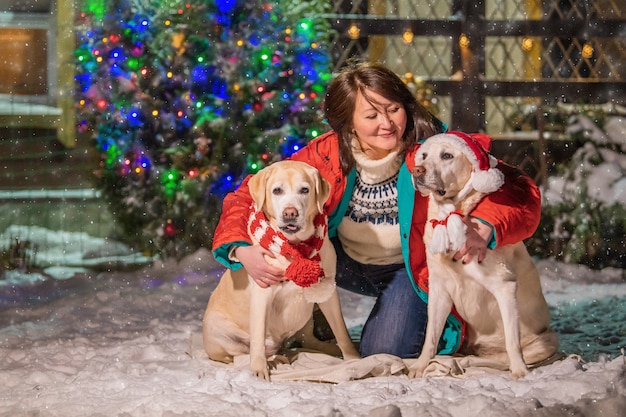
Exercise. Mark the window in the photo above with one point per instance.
(27, 66)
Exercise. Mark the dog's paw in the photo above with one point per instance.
(263, 374)
(416, 370)
(349, 351)
(260, 368)
(351, 355)
(519, 372)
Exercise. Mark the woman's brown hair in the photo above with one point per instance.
(340, 100)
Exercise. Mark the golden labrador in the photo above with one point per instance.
(500, 298)
(243, 318)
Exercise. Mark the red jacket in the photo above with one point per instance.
(513, 211)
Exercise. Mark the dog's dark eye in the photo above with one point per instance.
(304, 190)
(424, 155)
(446, 155)
(277, 191)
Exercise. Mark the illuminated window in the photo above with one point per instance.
(27, 33)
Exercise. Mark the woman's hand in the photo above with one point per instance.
(478, 236)
(253, 259)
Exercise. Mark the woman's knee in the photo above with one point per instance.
(403, 344)
(397, 323)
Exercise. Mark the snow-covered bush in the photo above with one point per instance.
(584, 203)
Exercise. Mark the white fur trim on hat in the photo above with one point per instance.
(486, 178)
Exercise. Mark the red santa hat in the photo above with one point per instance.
(486, 178)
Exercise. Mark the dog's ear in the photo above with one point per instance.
(322, 187)
(256, 185)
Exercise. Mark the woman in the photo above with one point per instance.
(376, 219)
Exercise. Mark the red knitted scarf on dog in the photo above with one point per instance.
(305, 268)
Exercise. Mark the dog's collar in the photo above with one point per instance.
(305, 267)
(444, 221)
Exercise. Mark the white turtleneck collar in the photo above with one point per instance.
(373, 171)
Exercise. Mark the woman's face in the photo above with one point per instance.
(378, 124)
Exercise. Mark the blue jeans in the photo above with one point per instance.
(397, 323)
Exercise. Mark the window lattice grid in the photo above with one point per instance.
(584, 9)
(507, 114)
(610, 9)
(494, 9)
(510, 58)
(512, 9)
(426, 57)
(567, 9)
(596, 59)
(344, 48)
(415, 9)
(611, 58)
(420, 9)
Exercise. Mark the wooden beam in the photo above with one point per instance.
(557, 90)
(380, 25)
(65, 45)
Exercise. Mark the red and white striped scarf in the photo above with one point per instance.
(305, 268)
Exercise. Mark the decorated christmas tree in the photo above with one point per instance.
(185, 98)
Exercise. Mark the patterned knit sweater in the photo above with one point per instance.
(370, 232)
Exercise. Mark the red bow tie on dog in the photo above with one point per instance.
(305, 268)
(449, 230)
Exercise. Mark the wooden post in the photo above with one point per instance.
(542, 146)
(65, 45)
(469, 113)
(376, 44)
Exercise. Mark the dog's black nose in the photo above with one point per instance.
(290, 213)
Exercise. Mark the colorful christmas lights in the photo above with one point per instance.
(184, 98)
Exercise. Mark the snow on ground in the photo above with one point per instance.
(121, 343)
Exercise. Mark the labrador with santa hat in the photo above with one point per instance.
(500, 298)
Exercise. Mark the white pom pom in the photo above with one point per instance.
(487, 181)
(439, 243)
(456, 232)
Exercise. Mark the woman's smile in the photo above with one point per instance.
(379, 124)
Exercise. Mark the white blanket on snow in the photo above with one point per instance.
(320, 367)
